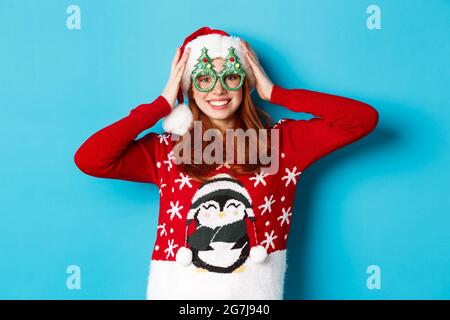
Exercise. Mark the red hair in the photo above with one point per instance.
(247, 116)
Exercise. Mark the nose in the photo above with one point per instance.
(221, 214)
(218, 89)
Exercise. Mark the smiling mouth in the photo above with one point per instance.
(219, 104)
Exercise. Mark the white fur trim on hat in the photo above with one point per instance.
(179, 121)
(217, 46)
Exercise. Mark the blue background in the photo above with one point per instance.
(380, 201)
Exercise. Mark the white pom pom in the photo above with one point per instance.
(179, 120)
(258, 254)
(184, 256)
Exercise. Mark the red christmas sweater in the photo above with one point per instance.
(212, 219)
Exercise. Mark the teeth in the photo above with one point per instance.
(218, 103)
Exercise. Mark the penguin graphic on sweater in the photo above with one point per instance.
(220, 242)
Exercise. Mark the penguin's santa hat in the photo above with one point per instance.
(180, 120)
(224, 184)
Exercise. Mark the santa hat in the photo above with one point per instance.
(224, 184)
(217, 42)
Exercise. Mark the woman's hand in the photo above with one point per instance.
(262, 82)
(170, 92)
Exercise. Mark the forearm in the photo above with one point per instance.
(101, 152)
(348, 114)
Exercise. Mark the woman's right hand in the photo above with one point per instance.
(170, 92)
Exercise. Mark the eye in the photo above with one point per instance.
(205, 79)
(231, 77)
(232, 204)
(207, 206)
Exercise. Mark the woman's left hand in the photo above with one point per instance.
(262, 82)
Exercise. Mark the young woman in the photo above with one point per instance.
(223, 226)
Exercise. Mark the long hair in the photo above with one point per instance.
(247, 116)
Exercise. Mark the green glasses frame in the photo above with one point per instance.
(204, 67)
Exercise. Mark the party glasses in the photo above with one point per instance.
(231, 76)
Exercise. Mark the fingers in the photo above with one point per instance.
(181, 65)
(250, 56)
(175, 58)
(249, 49)
(255, 56)
(244, 45)
(180, 72)
(183, 59)
(174, 82)
(253, 60)
(253, 63)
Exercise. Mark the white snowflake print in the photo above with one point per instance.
(184, 180)
(163, 138)
(174, 210)
(267, 206)
(291, 176)
(279, 122)
(163, 230)
(285, 216)
(170, 247)
(161, 186)
(259, 178)
(269, 240)
(169, 163)
(225, 164)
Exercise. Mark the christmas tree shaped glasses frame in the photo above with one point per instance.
(205, 77)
